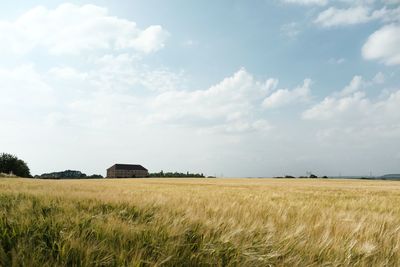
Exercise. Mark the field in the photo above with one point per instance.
(199, 222)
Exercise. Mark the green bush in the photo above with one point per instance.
(11, 164)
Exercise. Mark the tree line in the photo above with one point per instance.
(68, 174)
(13, 166)
(176, 174)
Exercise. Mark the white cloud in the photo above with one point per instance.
(357, 119)
(336, 17)
(338, 103)
(151, 39)
(355, 15)
(271, 84)
(239, 127)
(357, 108)
(355, 85)
(390, 107)
(22, 88)
(337, 61)
(332, 107)
(291, 30)
(125, 72)
(230, 105)
(353, 106)
(190, 43)
(379, 78)
(387, 14)
(67, 73)
(71, 29)
(113, 91)
(283, 97)
(117, 92)
(307, 2)
(111, 100)
(384, 45)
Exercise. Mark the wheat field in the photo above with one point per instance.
(199, 222)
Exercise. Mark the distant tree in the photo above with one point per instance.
(313, 176)
(11, 164)
(176, 174)
(69, 174)
(95, 176)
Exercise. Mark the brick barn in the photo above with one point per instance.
(127, 171)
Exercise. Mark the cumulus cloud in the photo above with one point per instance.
(336, 17)
(337, 61)
(354, 86)
(271, 84)
(116, 92)
(379, 78)
(291, 30)
(125, 72)
(387, 14)
(283, 97)
(351, 104)
(71, 29)
(307, 2)
(355, 15)
(384, 45)
(230, 105)
(67, 73)
(112, 99)
(150, 40)
(332, 107)
(357, 119)
(22, 88)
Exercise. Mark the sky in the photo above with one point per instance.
(227, 88)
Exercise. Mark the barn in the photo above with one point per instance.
(127, 171)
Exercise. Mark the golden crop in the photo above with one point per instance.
(199, 222)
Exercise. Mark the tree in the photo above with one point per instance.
(11, 164)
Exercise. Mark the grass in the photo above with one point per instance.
(3, 175)
(199, 222)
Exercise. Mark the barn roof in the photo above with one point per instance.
(130, 167)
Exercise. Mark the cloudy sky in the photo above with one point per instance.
(228, 88)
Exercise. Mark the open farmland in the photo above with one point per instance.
(199, 222)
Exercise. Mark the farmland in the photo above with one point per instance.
(199, 222)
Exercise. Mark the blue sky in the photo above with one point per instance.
(227, 88)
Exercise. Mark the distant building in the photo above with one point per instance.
(127, 171)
